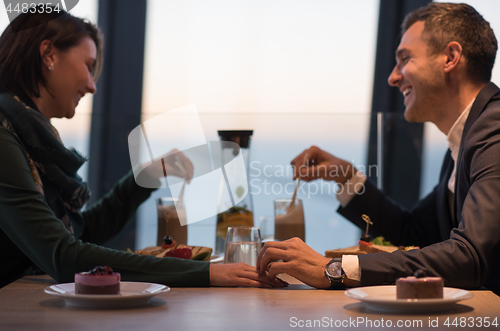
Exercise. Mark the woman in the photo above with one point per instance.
(44, 71)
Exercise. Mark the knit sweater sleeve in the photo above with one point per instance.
(110, 214)
(36, 234)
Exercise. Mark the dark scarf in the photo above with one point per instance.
(53, 167)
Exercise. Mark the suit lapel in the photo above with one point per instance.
(443, 207)
(482, 99)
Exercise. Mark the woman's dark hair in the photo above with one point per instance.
(20, 59)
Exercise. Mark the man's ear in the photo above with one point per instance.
(453, 54)
(47, 53)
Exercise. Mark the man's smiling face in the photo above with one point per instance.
(418, 76)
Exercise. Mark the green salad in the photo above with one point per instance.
(380, 240)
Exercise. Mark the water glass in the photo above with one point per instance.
(266, 226)
(243, 244)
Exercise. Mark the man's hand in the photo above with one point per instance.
(320, 164)
(299, 261)
(240, 274)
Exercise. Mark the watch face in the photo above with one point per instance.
(335, 269)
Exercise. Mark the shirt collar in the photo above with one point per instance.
(454, 137)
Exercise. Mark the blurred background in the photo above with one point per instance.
(298, 73)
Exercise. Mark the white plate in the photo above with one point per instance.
(131, 294)
(216, 258)
(383, 298)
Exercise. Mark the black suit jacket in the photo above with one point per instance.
(462, 247)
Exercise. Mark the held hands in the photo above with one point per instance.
(240, 274)
(298, 260)
(321, 164)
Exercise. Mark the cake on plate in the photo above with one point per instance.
(100, 280)
(419, 287)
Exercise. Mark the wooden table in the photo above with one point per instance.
(25, 306)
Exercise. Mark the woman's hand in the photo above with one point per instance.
(295, 258)
(174, 163)
(240, 274)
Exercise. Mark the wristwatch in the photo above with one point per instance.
(335, 273)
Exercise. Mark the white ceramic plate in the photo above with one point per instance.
(131, 294)
(216, 259)
(383, 298)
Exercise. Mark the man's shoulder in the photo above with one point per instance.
(493, 105)
(488, 122)
(484, 135)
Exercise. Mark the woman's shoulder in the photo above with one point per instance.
(4, 122)
(6, 126)
(10, 144)
(2, 117)
(19, 169)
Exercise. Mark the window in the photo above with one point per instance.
(296, 72)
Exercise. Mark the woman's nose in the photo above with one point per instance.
(91, 88)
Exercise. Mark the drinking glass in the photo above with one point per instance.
(266, 226)
(168, 221)
(243, 244)
(288, 221)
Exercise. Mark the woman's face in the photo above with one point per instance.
(70, 79)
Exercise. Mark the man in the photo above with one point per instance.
(443, 69)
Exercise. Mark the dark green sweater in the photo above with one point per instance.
(31, 234)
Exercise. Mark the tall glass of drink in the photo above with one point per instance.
(168, 221)
(288, 220)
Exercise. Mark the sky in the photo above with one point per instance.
(260, 56)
